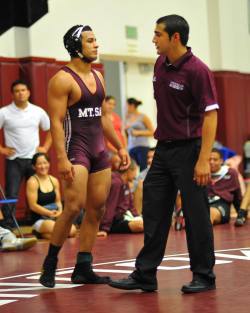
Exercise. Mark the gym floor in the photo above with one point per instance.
(114, 256)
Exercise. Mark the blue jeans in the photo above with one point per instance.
(139, 154)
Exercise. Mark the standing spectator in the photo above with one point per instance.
(108, 108)
(139, 127)
(20, 122)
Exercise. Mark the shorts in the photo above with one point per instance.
(38, 224)
(92, 163)
(224, 208)
(120, 226)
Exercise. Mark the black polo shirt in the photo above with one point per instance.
(184, 91)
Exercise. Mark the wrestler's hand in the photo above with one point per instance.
(202, 174)
(125, 159)
(66, 170)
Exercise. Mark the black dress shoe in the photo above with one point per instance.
(132, 284)
(198, 286)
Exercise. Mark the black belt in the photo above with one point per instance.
(180, 142)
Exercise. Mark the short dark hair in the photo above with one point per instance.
(175, 24)
(215, 150)
(134, 101)
(18, 82)
(109, 97)
(37, 155)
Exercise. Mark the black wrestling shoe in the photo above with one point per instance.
(196, 286)
(241, 217)
(47, 278)
(83, 274)
(132, 284)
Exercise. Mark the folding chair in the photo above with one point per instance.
(6, 201)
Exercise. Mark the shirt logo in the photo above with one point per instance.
(90, 112)
(175, 85)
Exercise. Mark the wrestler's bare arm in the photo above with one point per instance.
(58, 92)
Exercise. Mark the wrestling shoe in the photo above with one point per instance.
(83, 274)
(48, 272)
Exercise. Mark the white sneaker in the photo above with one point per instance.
(9, 242)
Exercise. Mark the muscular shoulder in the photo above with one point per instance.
(61, 81)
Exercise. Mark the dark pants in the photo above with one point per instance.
(15, 171)
(139, 154)
(173, 169)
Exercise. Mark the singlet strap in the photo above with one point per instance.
(39, 186)
(51, 182)
(76, 77)
(98, 81)
(37, 180)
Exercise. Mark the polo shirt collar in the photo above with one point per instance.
(178, 63)
(18, 109)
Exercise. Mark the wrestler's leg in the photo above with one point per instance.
(97, 193)
(75, 197)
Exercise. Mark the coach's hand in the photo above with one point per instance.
(202, 174)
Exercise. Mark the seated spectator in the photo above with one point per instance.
(223, 189)
(9, 241)
(234, 163)
(138, 184)
(243, 211)
(43, 194)
(120, 215)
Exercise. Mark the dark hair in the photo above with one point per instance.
(215, 150)
(72, 40)
(37, 155)
(152, 149)
(175, 24)
(18, 82)
(134, 101)
(109, 97)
